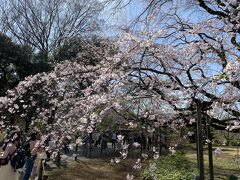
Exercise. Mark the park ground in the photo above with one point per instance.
(224, 166)
(101, 169)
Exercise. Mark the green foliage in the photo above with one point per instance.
(222, 76)
(233, 177)
(40, 125)
(171, 167)
(68, 50)
(12, 61)
(90, 48)
(235, 142)
(109, 122)
(17, 62)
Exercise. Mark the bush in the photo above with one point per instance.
(235, 143)
(171, 167)
(232, 177)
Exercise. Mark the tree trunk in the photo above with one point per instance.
(199, 140)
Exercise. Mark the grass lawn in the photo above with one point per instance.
(101, 169)
(224, 166)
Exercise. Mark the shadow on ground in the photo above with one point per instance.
(97, 167)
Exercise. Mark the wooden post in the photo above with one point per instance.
(142, 134)
(199, 140)
(90, 145)
(210, 156)
(238, 151)
(160, 142)
(165, 137)
(196, 141)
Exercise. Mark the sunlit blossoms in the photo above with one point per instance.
(120, 138)
(137, 165)
(152, 78)
(152, 167)
(130, 177)
(145, 156)
(172, 150)
(136, 144)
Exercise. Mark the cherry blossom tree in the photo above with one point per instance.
(171, 71)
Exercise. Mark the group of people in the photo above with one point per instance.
(9, 148)
(89, 141)
(11, 157)
(101, 139)
(19, 157)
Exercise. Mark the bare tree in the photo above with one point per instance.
(44, 24)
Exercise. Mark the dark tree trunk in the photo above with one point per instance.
(199, 140)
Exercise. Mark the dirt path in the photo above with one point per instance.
(92, 169)
(98, 167)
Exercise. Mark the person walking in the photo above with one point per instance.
(103, 142)
(114, 139)
(98, 139)
(7, 172)
(34, 148)
(66, 145)
(78, 143)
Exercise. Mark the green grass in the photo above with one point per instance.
(224, 166)
(172, 167)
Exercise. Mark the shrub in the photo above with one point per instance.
(232, 177)
(235, 143)
(171, 167)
